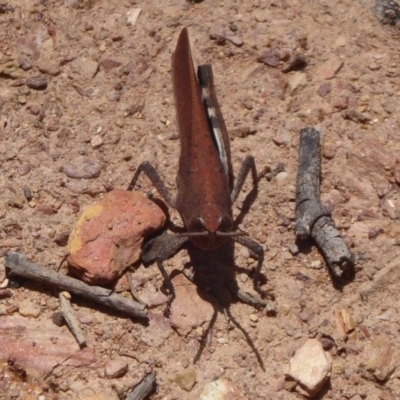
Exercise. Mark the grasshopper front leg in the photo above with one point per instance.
(155, 179)
(162, 247)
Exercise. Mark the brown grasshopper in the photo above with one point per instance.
(205, 185)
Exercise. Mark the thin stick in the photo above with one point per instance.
(21, 266)
(70, 318)
(312, 217)
(144, 388)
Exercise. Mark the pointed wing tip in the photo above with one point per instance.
(183, 36)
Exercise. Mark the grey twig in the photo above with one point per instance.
(21, 266)
(312, 217)
(70, 318)
(144, 388)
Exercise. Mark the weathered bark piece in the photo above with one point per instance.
(21, 266)
(312, 217)
(146, 386)
(71, 319)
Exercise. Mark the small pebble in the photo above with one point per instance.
(316, 264)
(115, 369)
(96, 141)
(282, 178)
(82, 168)
(24, 63)
(270, 57)
(186, 379)
(132, 16)
(49, 68)
(62, 238)
(294, 249)
(253, 317)
(24, 169)
(29, 309)
(37, 82)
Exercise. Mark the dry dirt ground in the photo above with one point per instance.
(109, 99)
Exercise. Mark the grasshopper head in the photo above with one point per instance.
(210, 227)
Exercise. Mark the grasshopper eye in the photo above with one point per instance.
(225, 223)
(197, 224)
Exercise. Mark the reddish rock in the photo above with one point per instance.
(115, 369)
(189, 310)
(109, 64)
(330, 68)
(324, 89)
(109, 235)
(39, 346)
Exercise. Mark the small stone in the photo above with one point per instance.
(96, 141)
(237, 41)
(294, 249)
(24, 169)
(262, 16)
(373, 233)
(340, 41)
(337, 367)
(345, 320)
(114, 95)
(37, 82)
(29, 309)
(186, 379)
(87, 67)
(310, 367)
(16, 200)
(82, 168)
(22, 100)
(24, 63)
(222, 389)
(270, 57)
(49, 68)
(324, 89)
(328, 150)
(120, 122)
(282, 178)
(316, 264)
(379, 359)
(297, 82)
(330, 68)
(115, 369)
(108, 64)
(61, 238)
(77, 186)
(58, 318)
(132, 16)
(253, 317)
(355, 116)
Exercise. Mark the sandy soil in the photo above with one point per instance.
(109, 98)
